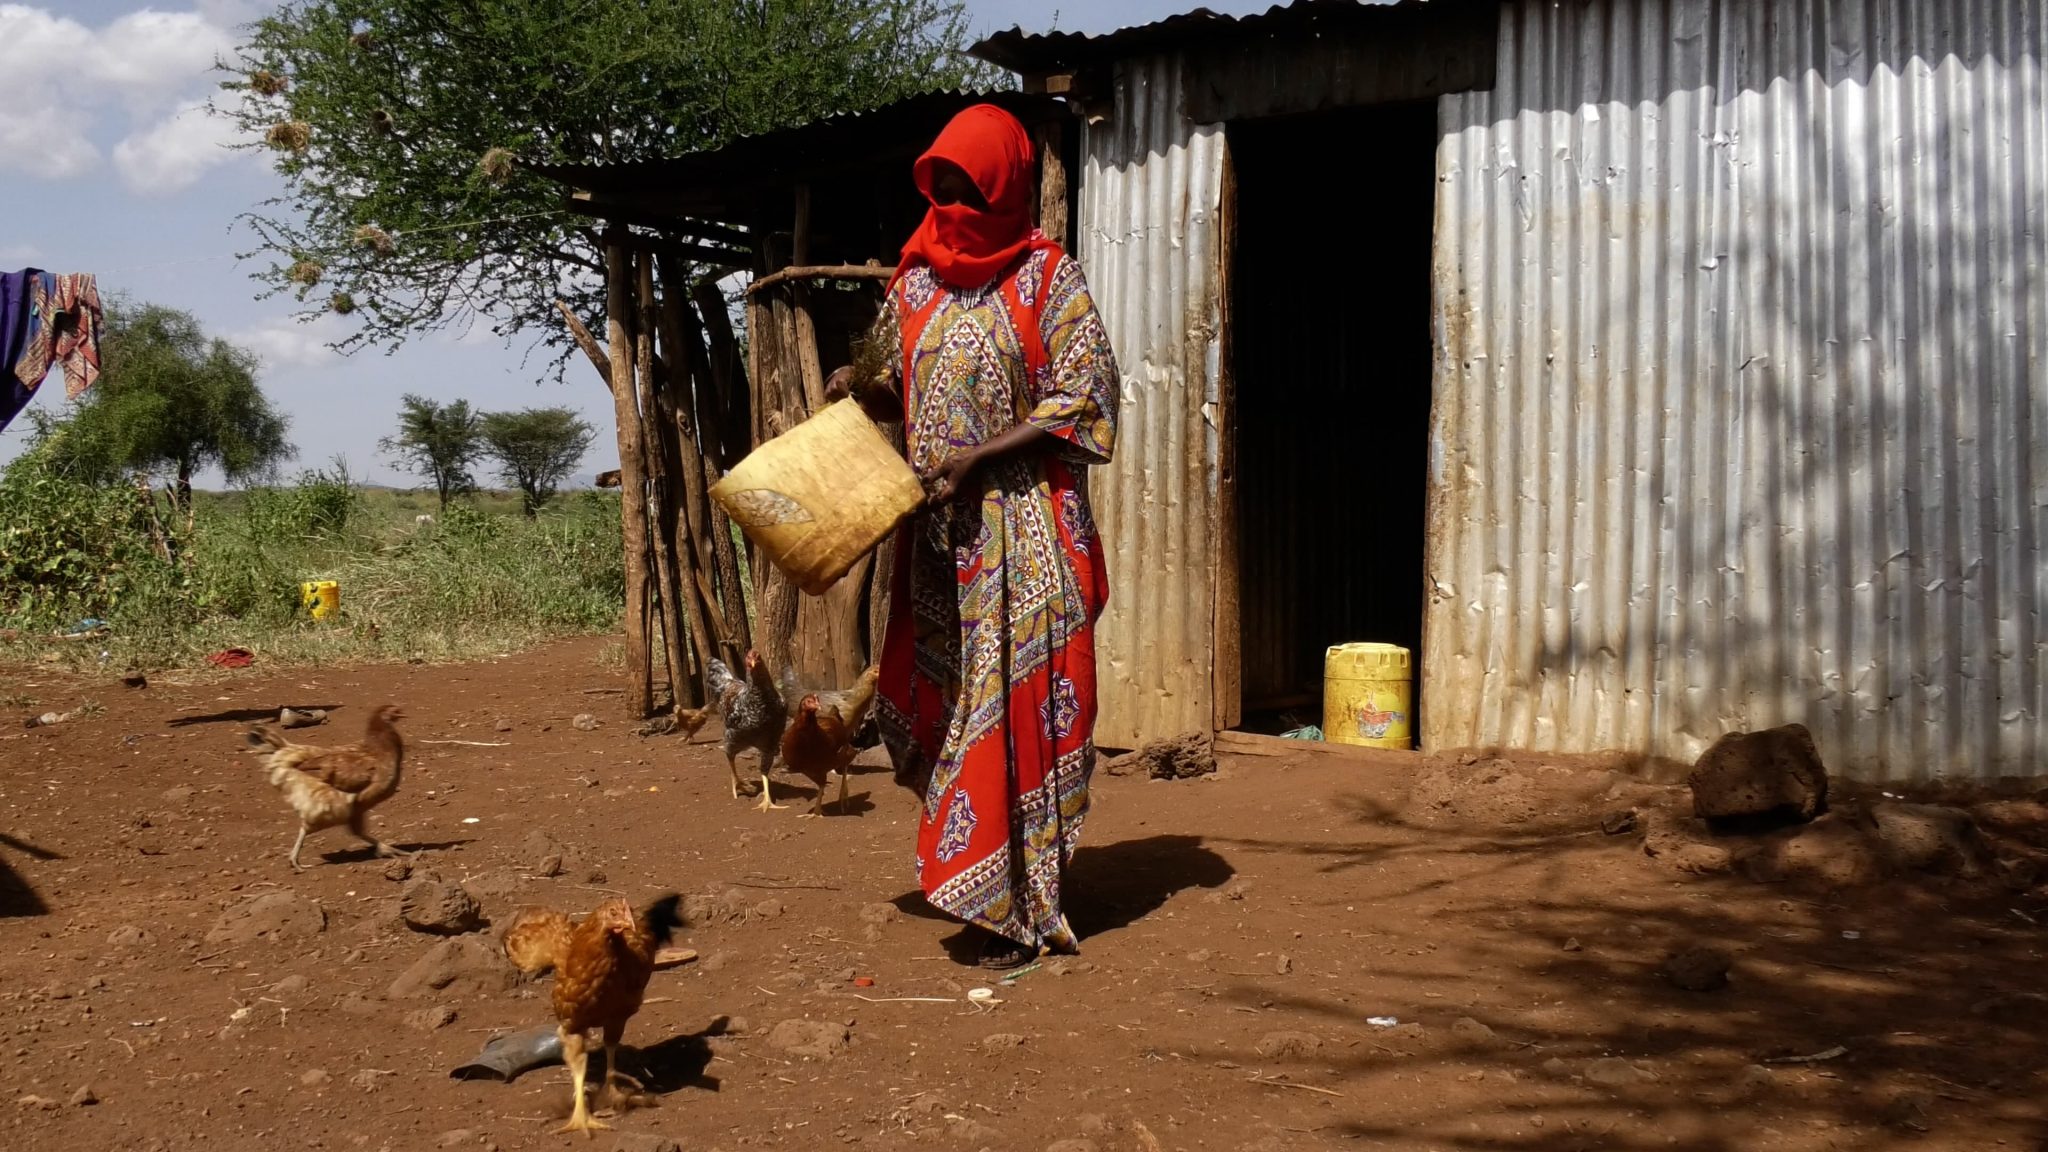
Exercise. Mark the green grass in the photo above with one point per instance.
(478, 580)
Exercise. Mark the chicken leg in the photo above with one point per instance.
(733, 763)
(362, 832)
(296, 845)
(767, 795)
(609, 1094)
(576, 1054)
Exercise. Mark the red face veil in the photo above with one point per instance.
(967, 245)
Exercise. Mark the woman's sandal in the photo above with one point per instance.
(1001, 954)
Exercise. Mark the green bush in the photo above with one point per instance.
(478, 578)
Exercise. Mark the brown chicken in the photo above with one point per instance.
(601, 965)
(329, 787)
(820, 737)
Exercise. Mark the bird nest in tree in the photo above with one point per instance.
(381, 122)
(290, 136)
(267, 83)
(496, 165)
(306, 273)
(342, 303)
(376, 240)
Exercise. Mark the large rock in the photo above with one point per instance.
(435, 906)
(1760, 776)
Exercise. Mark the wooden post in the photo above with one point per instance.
(1052, 181)
(800, 303)
(660, 489)
(715, 531)
(692, 551)
(632, 473)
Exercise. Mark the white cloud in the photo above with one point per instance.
(65, 80)
(288, 343)
(172, 154)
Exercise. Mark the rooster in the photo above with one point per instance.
(602, 964)
(820, 737)
(754, 713)
(329, 787)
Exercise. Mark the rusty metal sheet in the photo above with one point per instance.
(1149, 213)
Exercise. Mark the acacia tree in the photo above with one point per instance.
(395, 125)
(169, 402)
(438, 442)
(536, 449)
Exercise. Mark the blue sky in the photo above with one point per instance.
(111, 169)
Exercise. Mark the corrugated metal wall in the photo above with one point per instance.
(1742, 315)
(1151, 187)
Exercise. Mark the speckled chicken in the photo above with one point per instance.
(329, 787)
(755, 715)
(602, 964)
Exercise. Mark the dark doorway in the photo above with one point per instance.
(1331, 358)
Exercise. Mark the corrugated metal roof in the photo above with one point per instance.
(721, 182)
(1740, 410)
(1039, 52)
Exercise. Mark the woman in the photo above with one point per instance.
(1001, 370)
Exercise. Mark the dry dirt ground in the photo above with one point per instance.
(1301, 952)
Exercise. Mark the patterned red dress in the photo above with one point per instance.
(987, 696)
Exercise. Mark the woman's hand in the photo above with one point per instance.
(877, 399)
(949, 480)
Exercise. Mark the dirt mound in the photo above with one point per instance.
(1183, 757)
(274, 916)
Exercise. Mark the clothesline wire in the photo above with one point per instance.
(396, 235)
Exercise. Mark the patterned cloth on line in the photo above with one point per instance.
(47, 320)
(988, 664)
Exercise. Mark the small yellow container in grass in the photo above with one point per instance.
(321, 598)
(820, 496)
(1368, 693)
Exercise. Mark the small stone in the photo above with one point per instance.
(1614, 1072)
(37, 1103)
(816, 1039)
(291, 985)
(129, 936)
(399, 870)
(454, 1136)
(550, 865)
(1572, 944)
(1001, 1042)
(503, 725)
(368, 1080)
(1281, 1045)
(765, 910)
(1474, 1033)
(1201, 956)
(314, 1078)
(1698, 969)
(585, 722)
(1283, 965)
(1619, 823)
(643, 1142)
(594, 876)
(431, 1019)
(1759, 775)
(85, 1097)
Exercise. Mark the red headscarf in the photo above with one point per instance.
(968, 246)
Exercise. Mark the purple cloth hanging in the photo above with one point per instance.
(15, 289)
